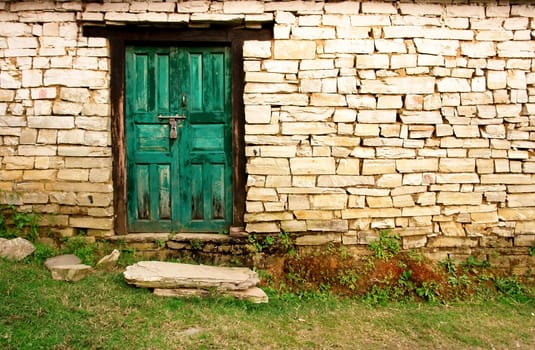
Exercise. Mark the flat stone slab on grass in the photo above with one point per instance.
(67, 267)
(16, 248)
(253, 294)
(66, 259)
(168, 275)
(70, 273)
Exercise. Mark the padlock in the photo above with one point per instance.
(172, 128)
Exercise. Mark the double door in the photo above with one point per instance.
(178, 139)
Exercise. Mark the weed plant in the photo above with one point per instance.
(389, 274)
(14, 223)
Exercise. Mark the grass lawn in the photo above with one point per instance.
(102, 312)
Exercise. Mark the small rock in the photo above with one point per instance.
(67, 259)
(67, 267)
(253, 294)
(110, 258)
(190, 331)
(158, 274)
(16, 248)
(70, 273)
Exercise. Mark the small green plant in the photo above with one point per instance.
(531, 249)
(42, 252)
(259, 245)
(510, 287)
(79, 246)
(415, 256)
(286, 242)
(459, 281)
(473, 265)
(448, 265)
(14, 223)
(405, 281)
(385, 246)
(349, 279)
(196, 244)
(428, 291)
(269, 241)
(458, 276)
(160, 243)
(127, 257)
(128, 253)
(378, 295)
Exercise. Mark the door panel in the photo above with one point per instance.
(208, 162)
(182, 184)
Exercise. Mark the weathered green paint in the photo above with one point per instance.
(182, 184)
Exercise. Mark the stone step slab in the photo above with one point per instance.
(70, 273)
(66, 259)
(253, 294)
(205, 237)
(67, 267)
(168, 275)
(16, 249)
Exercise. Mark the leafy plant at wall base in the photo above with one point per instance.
(378, 295)
(460, 281)
(349, 279)
(14, 223)
(531, 249)
(415, 256)
(427, 291)
(127, 257)
(196, 244)
(3, 219)
(79, 246)
(286, 242)
(385, 246)
(473, 265)
(258, 245)
(448, 265)
(42, 252)
(510, 287)
(405, 280)
(160, 243)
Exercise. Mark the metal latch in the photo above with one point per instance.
(172, 123)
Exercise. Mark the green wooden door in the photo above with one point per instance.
(180, 182)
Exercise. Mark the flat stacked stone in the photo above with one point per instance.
(67, 267)
(175, 279)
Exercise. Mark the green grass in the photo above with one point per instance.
(102, 312)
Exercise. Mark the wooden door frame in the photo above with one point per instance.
(119, 37)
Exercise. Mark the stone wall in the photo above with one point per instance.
(55, 118)
(417, 117)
